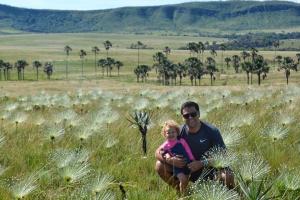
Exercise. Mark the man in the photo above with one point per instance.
(201, 137)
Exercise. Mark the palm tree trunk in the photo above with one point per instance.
(82, 68)
(251, 79)
(144, 144)
(248, 78)
(23, 74)
(138, 56)
(258, 78)
(211, 78)
(287, 78)
(67, 67)
(37, 73)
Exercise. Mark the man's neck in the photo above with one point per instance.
(195, 129)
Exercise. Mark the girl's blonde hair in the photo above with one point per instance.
(171, 124)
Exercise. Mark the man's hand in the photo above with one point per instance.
(195, 165)
(176, 161)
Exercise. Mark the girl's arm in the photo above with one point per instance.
(187, 149)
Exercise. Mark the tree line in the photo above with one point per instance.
(195, 67)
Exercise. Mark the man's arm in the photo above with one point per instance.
(174, 160)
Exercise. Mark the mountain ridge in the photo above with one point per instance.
(179, 18)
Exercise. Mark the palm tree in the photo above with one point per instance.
(201, 48)
(141, 71)
(110, 62)
(118, 64)
(95, 50)
(222, 48)
(192, 47)
(247, 67)
(236, 63)
(159, 62)
(167, 51)
(107, 45)
(141, 119)
(7, 67)
(2, 67)
(278, 59)
(20, 65)
(298, 58)
(244, 55)
(37, 64)
(102, 63)
(67, 49)
(48, 69)
(181, 71)
(211, 68)
(227, 60)
(194, 69)
(275, 44)
(82, 54)
(213, 52)
(253, 53)
(288, 64)
(139, 44)
(260, 67)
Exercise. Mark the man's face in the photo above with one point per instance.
(191, 117)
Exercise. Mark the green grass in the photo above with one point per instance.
(27, 150)
(49, 47)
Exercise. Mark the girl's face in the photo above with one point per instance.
(170, 133)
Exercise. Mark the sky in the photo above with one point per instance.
(88, 4)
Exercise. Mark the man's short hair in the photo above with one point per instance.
(189, 104)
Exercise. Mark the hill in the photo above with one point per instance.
(181, 18)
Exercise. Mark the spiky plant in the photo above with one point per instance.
(141, 119)
(101, 183)
(289, 180)
(251, 167)
(285, 118)
(111, 141)
(141, 104)
(221, 158)
(63, 158)
(2, 169)
(231, 136)
(38, 120)
(256, 190)
(275, 132)
(53, 133)
(20, 117)
(212, 190)
(85, 193)
(75, 172)
(2, 139)
(26, 186)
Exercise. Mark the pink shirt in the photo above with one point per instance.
(169, 144)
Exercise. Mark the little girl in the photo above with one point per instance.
(176, 147)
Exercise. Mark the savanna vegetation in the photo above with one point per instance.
(99, 143)
(75, 124)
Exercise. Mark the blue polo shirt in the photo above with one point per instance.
(207, 137)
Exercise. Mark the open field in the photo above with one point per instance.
(98, 149)
(49, 47)
(70, 139)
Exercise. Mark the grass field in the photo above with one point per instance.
(49, 47)
(70, 139)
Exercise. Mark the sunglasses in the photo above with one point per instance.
(188, 115)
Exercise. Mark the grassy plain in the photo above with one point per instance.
(49, 47)
(104, 103)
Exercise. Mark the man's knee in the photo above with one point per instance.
(228, 178)
(161, 168)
